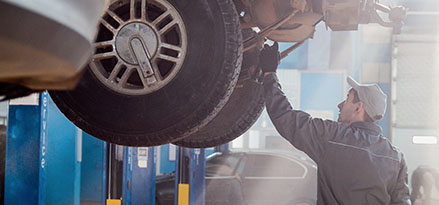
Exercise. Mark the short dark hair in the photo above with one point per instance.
(357, 99)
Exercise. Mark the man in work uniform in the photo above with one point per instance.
(356, 164)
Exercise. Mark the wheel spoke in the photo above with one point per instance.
(101, 56)
(114, 16)
(143, 9)
(167, 27)
(108, 26)
(132, 9)
(171, 47)
(168, 58)
(160, 18)
(157, 74)
(115, 71)
(125, 76)
(103, 44)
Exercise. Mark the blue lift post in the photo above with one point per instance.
(44, 157)
(114, 178)
(143, 175)
(190, 174)
(22, 154)
(127, 170)
(131, 175)
(139, 175)
(93, 168)
(44, 161)
(61, 155)
(104, 173)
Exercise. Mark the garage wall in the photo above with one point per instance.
(415, 85)
(416, 82)
(323, 97)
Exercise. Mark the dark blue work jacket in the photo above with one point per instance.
(356, 164)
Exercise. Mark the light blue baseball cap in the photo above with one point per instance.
(373, 98)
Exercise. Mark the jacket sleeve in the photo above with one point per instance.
(400, 194)
(299, 128)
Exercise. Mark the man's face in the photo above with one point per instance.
(347, 109)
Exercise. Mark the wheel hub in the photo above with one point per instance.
(136, 43)
(134, 38)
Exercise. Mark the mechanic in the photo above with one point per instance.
(356, 164)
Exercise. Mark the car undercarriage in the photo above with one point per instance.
(177, 71)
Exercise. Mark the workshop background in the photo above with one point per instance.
(73, 167)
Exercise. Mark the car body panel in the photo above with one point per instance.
(45, 44)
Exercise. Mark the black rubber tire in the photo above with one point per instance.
(302, 201)
(198, 92)
(238, 115)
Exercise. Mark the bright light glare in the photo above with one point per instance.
(424, 140)
(254, 139)
(238, 142)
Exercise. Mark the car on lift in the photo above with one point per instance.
(171, 71)
(253, 177)
(45, 44)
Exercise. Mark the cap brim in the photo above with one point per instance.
(354, 84)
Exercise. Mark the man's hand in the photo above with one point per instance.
(269, 58)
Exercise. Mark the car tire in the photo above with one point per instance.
(198, 90)
(244, 107)
(302, 201)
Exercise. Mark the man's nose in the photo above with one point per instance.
(340, 105)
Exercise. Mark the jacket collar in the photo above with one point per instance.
(371, 127)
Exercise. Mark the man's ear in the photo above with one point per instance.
(359, 107)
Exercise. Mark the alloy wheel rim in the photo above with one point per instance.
(140, 47)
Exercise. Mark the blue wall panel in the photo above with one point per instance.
(377, 53)
(321, 91)
(22, 155)
(297, 59)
